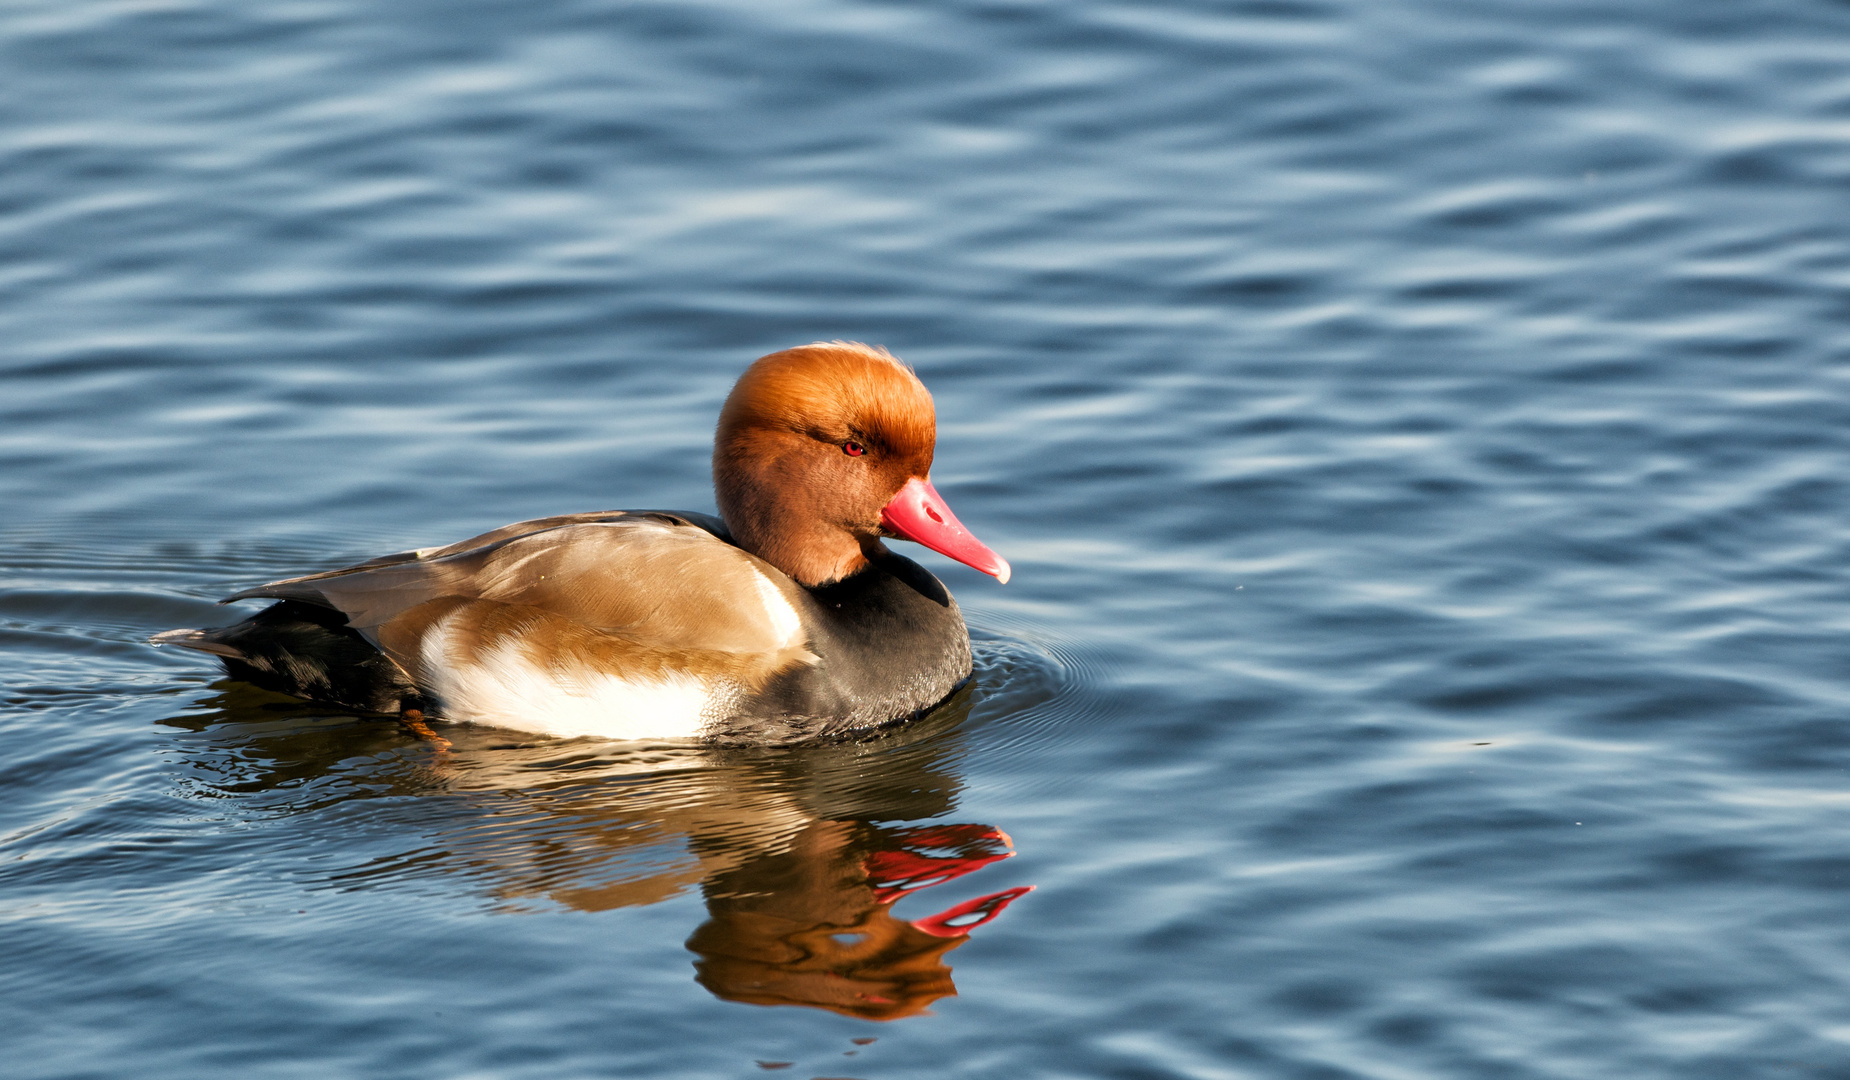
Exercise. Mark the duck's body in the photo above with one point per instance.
(652, 624)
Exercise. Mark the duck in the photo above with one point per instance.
(783, 618)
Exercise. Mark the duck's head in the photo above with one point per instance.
(824, 449)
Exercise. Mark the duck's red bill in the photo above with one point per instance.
(913, 865)
(918, 513)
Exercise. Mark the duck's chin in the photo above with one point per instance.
(817, 557)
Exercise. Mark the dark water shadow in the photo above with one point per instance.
(801, 853)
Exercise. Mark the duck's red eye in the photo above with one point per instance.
(853, 449)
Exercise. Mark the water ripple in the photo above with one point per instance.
(1416, 427)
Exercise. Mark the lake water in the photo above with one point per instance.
(1420, 428)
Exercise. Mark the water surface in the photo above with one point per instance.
(1418, 428)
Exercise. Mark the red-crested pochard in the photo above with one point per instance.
(786, 618)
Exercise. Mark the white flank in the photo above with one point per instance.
(503, 687)
(784, 617)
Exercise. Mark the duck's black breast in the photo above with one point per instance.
(890, 643)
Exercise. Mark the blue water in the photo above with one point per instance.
(1420, 429)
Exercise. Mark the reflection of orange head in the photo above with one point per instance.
(835, 943)
(880, 968)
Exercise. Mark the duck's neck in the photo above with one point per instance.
(812, 554)
(766, 519)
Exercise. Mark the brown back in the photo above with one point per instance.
(665, 585)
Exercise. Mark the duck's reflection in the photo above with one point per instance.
(800, 853)
(813, 924)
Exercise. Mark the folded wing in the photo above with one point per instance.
(665, 581)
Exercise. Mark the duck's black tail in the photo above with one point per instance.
(307, 651)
